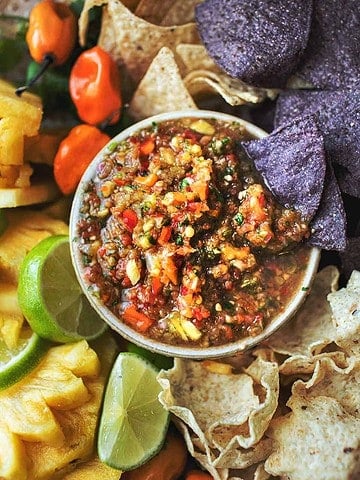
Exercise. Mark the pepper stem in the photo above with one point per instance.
(48, 60)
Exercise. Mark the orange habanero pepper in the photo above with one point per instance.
(94, 86)
(51, 36)
(74, 155)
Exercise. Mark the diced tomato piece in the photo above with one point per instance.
(136, 319)
(130, 219)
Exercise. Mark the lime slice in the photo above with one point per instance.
(133, 423)
(50, 296)
(15, 364)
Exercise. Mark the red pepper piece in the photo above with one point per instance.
(94, 86)
(74, 155)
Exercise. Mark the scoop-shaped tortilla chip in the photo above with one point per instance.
(318, 439)
(132, 41)
(257, 41)
(221, 415)
(330, 380)
(161, 89)
(232, 90)
(338, 116)
(332, 57)
(345, 306)
(311, 329)
(292, 163)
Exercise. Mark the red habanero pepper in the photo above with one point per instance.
(51, 36)
(75, 153)
(94, 86)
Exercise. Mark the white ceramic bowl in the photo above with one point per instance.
(142, 340)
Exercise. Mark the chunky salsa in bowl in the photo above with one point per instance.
(178, 243)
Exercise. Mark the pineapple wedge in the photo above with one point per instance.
(28, 108)
(26, 229)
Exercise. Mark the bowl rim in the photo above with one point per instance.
(119, 326)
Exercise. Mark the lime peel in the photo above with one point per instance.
(13, 367)
(133, 422)
(50, 296)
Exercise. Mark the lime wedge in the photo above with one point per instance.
(50, 296)
(15, 364)
(133, 423)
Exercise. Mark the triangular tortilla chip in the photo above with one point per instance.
(132, 41)
(155, 93)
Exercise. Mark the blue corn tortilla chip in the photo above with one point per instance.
(332, 57)
(257, 41)
(292, 163)
(328, 227)
(338, 114)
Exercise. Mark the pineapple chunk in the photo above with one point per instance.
(77, 357)
(25, 230)
(13, 454)
(28, 108)
(8, 299)
(47, 440)
(15, 175)
(11, 142)
(94, 469)
(11, 317)
(41, 192)
(10, 328)
(23, 179)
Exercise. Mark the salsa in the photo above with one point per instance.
(182, 240)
